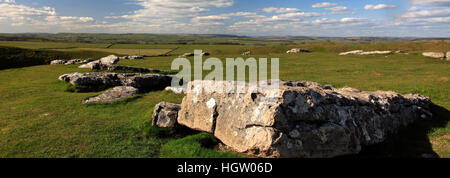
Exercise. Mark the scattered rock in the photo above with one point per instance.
(109, 60)
(115, 94)
(74, 61)
(361, 52)
(375, 52)
(132, 57)
(302, 119)
(351, 52)
(88, 60)
(165, 114)
(127, 68)
(298, 50)
(140, 81)
(56, 62)
(247, 53)
(434, 55)
(176, 90)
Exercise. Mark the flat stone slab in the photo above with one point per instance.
(115, 94)
(140, 81)
(301, 119)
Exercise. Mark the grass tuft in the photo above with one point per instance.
(194, 146)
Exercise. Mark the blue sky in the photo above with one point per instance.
(423, 18)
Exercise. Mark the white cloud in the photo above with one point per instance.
(8, 1)
(295, 16)
(432, 3)
(167, 10)
(280, 10)
(337, 8)
(414, 9)
(427, 13)
(323, 4)
(352, 19)
(379, 6)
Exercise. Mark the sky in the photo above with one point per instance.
(331, 18)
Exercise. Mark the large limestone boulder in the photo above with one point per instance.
(434, 55)
(165, 114)
(140, 81)
(115, 94)
(301, 119)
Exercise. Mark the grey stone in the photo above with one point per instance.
(56, 62)
(140, 81)
(115, 94)
(127, 68)
(301, 119)
(109, 60)
(165, 114)
(74, 61)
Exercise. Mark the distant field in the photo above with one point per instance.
(49, 45)
(40, 119)
(143, 52)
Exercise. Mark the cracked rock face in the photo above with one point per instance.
(165, 114)
(115, 94)
(140, 81)
(301, 119)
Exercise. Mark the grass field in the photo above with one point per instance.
(142, 52)
(40, 119)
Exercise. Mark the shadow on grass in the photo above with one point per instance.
(410, 142)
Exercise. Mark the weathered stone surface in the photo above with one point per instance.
(109, 60)
(298, 50)
(351, 52)
(361, 52)
(115, 94)
(132, 57)
(165, 114)
(140, 81)
(56, 62)
(126, 68)
(375, 52)
(302, 119)
(434, 55)
(88, 60)
(74, 61)
(448, 56)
